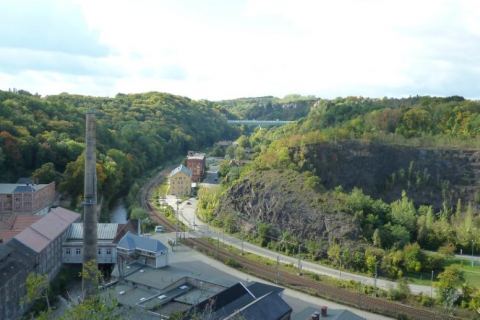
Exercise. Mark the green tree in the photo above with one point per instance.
(46, 173)
(37, 286)
(334, 254)
(448, 282)
(404, 213)
(413, 257)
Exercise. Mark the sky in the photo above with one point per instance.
(224, 49)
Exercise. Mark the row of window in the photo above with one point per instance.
(78, 251)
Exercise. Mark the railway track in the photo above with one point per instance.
(323, 290)
(287, 279)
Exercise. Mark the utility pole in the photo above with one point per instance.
(242, 242)
(376, 275)
(299, 260)
(177, 224)
(277, 280)
(431, 286)
(90, 208)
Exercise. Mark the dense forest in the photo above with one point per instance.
(44, 137)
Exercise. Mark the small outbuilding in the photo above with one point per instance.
(147, 251)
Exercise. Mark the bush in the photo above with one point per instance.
(233, 263)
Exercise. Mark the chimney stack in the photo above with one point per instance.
(90, 204)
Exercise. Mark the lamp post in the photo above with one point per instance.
(473, 243)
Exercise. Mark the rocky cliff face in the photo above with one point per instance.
(284, 200)
(429, 176)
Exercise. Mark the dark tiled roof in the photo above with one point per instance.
(181, 168)
(24, 189)
(260, 289)
(268, 307)
(223, 303)
(239, 299)
(131, 241)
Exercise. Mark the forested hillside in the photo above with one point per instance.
(135, 132)
(291, 107)
(360, 181)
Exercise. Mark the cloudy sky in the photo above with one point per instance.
(217, 49)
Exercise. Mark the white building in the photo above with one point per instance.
(106, 247)
(147, 251)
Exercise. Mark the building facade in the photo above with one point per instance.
(180, 181)
(26, 198)
(106, 247)
(196, 162)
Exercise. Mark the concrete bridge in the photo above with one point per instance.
(260, 123)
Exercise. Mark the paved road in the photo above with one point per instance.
(200, 229)
(202, 266)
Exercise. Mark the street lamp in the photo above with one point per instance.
(473, 244)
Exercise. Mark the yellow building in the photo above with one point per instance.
(180, 181)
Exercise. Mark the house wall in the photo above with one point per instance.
(72, 253)
(180, 184)
(161, 260)
(49, 260)
(197, 166)
(11, 293)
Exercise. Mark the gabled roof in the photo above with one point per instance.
(105, 231)
(259, 289)
(131, 241)
(268, 307)
(49, 227)
(224, 303)
(181, 168)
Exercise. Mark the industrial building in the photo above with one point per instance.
(26, 198)
(38, 248)
(196, 162)
(180, 181)
(45, 237)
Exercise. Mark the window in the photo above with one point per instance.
(109, 251)
(67, 251)
(78, 251)
(99, 251)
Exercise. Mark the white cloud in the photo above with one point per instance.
(224, 49)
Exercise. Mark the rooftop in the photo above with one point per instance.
(105, 231)
(268, 307)
(131, 241)
(38, 235)
(196, 155)
(9, 188)
(181, 168)
(17, 225)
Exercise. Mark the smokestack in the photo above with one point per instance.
(90, 207)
